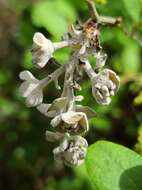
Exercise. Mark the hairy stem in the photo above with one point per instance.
(89, 70)
(93, 10)
(68, 82)
(106, 20)
(103, 20)
(59, 45)
(54, 76)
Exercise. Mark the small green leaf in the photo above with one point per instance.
(113, 167)
(133, 8)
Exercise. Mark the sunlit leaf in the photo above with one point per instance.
(113, 167)
(46, 14)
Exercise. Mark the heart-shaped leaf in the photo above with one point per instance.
(114, 167)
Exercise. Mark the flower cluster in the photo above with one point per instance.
(69, 120)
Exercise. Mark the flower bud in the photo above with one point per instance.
(71, 151)
(104, 85)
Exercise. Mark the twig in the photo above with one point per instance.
(93, 10)
(105, 20)
(68, 88)
(102, 20)
(88, 69)
(111, 21)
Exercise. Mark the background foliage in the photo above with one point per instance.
(26, 160)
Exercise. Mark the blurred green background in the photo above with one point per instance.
(26, 160)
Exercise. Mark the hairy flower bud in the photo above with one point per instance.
(104, 85)
(71, 151)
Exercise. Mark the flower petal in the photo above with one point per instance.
(39, 39)
(42, 50)
(114, 78)
(56, 121)
(26, 88)
(58, 103)
(51, 136)
(71, 117)
(87, 110)
(78, 120)
(43, 108)
(34, 99)
(27, 75)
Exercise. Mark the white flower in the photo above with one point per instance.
(31, 89)
(104, 85)
(54, 109)
(72, 122)
(71, 151)
(43, 49)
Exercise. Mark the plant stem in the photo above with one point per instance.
(103, 20)
(54, 76)
(89, 70)
(106, 20)
(68, 90)
(59, 45)
(93, 10)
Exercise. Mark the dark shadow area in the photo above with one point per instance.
(131, 179)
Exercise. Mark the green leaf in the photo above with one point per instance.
(133, 8)
(113, 167)
(66, 9)
(131, 58)
(46, 14)
(138, 99)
